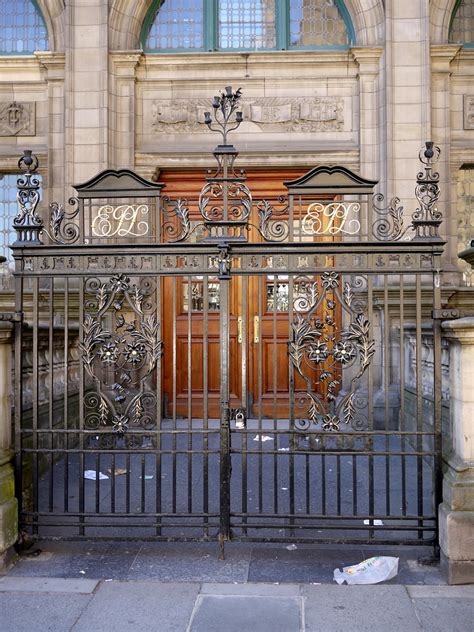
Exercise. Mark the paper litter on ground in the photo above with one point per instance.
(92, 475)
(263, 438)
(291, 547)
(376, 523)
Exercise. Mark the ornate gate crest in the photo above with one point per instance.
(120, 359)
(319, 346)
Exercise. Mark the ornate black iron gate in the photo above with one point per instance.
(229, 368)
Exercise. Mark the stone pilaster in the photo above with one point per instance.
(368, 60)
(8, 502)
(441, 58)
(122, 111)
(456, 512)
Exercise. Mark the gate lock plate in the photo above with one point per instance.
(238, 415)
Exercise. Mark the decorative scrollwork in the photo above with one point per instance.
(426, 220)
(270, 228)
(129, 352)
(27, 223)
(319, 352)
(389, 226)
(62, 230)
(177, 227)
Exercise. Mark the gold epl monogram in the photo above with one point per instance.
(120, 221)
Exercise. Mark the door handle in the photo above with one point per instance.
(256, 329)
(240, 321)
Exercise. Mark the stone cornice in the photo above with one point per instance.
(125, 62)
(461, 330)
(368, 58)
(442, 56)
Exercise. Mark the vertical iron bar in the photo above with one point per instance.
(386, 376)
(35, 395)
(65, 400)
(245, 402)
(438, 401)
(81, 481)
(159, 395)
(174, 395)
(50, 365)
(190, 398)
(370, 414)
(402, 394)
(224, 350)
(419, 403)
(275, 394)
(18, 393)
(205, 397)
(291, 387)
(260, 393)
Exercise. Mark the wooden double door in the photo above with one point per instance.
(259, 326)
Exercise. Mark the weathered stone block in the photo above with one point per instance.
(457, 572)
(8, 524)
(456, 533)
(7, 483)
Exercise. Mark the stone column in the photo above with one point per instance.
(8, 502)
(456, 512)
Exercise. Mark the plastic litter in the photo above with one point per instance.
(291, 547)
(263, 438)
(376, 523)
(147, 477)
(91, 475)
(283, 449)
(371, 571)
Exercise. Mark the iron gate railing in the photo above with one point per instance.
(230, 367)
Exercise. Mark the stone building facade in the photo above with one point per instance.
(105, 91)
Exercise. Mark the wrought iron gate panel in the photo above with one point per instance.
(229, 367)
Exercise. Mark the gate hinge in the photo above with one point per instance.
(447, 313)
(11, 317)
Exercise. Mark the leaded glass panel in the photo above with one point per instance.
(246, 24)
(22, 29)
(8, 210)
(462, 28)
(178, 24)
(316, 23)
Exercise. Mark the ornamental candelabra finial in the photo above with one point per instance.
(426, 220)
(224, 105)
(27, 223)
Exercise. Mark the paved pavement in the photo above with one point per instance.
(185, 588)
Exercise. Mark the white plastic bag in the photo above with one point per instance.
(371, 571)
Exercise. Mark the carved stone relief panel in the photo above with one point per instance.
(269, 114)
(17, 118)
(468, 112)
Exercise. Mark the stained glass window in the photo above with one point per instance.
(178, 24)
(229, 25)
(22, 29)
(316, 23)
(245, 24)
(462, 25)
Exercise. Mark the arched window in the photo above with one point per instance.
(461, 30)
(22, 28)
(248, 25)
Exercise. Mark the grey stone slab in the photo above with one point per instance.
(374, 607)
(440, 615)
(42, 612)
(47, 585)
(252, 590)
(441, 592)
(302, 565)
(125, 606)
(98, 560)
(215, 613)
(169, 561)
